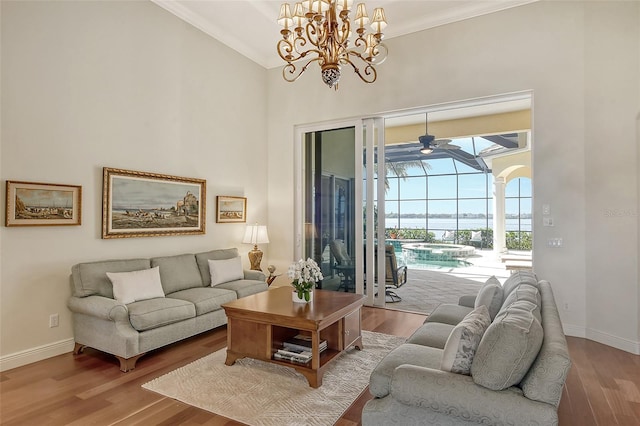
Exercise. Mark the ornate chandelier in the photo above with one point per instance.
(320, 30)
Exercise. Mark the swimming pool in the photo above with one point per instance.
(436, 256)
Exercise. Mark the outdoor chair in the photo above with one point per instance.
(476, 237)
(449, 237)
(343, 264)
(395, 276)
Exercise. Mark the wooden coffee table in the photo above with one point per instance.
(259, 324)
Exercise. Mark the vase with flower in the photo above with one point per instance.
(304, 275)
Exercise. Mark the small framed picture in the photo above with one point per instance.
(43, 204)
(231, 209)
(142, 204)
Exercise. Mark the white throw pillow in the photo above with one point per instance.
(464, 340)
(129, 287)
(223, 271)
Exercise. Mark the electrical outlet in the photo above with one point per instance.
(566, 306)
(54, 320)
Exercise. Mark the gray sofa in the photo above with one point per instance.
(515, 376)
(129, 330)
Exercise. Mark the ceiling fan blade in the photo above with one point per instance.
(447, 146)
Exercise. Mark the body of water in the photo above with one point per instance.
(443, 224)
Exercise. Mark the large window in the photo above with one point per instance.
(439, 202)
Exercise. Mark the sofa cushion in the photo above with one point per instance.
(203, 265)
(508, 348)
(225, 270)
(516, 278)
(129, 287)
(463, 342)
(434, 334)
(490, 295)
(154, 313)
(205, 299)
(407, 353)
(90, 278)
(524, 292)
(178, 272)
(448, 313)
(245, 287)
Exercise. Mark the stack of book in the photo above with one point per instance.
(298, 349)
(302, 342)
(294, 355)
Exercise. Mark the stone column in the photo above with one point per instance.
(499, 231)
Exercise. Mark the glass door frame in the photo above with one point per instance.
(372, 129)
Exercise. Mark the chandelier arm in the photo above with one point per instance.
(369, 74)
(286, 50)
(315, 35)
(291, 70)
(380, 56)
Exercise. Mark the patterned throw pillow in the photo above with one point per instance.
(464, 340)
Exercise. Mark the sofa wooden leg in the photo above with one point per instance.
(78, 348)
(128, 364)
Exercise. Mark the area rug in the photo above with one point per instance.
(259, 393)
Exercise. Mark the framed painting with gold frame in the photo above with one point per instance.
(42, 204)
(143, 204)
(231, 209)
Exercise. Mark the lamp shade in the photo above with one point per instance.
(256, 234)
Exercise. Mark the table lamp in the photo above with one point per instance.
(255, 234)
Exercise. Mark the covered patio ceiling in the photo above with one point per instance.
(472, 151)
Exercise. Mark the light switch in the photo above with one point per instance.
(554, 242)
(547, 221)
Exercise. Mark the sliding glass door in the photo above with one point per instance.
(335, 220)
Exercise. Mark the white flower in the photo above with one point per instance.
(304, 273)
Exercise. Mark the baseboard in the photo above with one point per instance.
(39, 353)
(602, 337)
(574, 330)
(614, 341)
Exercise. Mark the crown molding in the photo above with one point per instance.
(268, 59)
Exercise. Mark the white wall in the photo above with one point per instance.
(118, 84)
(581, 59)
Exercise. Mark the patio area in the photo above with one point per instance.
(427, 288)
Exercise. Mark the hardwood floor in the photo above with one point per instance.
(603, 387)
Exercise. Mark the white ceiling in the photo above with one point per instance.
(250, 27)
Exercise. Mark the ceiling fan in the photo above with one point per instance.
(430, 143)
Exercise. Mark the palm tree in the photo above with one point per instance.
(399, 169)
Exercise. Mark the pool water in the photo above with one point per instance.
(434, 264)
(434, 256)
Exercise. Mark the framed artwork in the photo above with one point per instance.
(141, 204)
(231, 209)
(42, 204)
